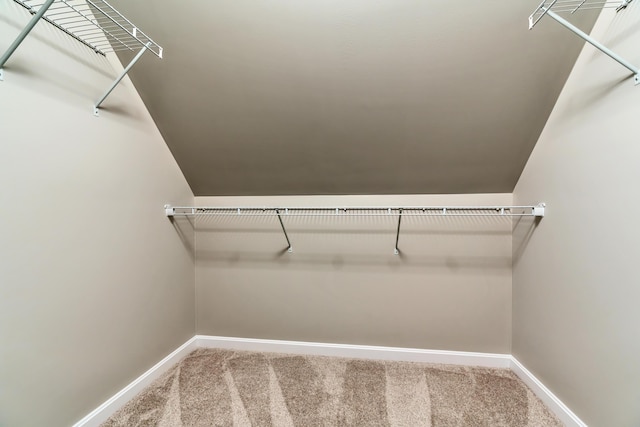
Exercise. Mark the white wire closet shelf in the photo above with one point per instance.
(572, 6)
(537, 211)
(358, 211)
(94, 23)
(552, 9)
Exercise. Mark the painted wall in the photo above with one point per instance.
(576, 277)
(390, 96)
(96, 285)
(449, 289)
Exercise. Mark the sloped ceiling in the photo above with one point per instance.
(268, 97)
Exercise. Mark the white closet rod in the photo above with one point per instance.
(423, 211)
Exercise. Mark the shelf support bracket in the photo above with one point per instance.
(289, 248)
(538, 211)
(396, 251)
(635, 70)
(120, 77)
(25, 32)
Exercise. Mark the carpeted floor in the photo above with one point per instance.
(233, 388)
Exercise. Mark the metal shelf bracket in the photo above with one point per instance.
(538, 211)
(23, 34)
(553, 7)
(284, 230)
(396, 251)
(120, 77)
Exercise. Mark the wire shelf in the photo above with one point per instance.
(395, 212)
(423, 211)
(552, 8)
(94, 23)
(572, 6)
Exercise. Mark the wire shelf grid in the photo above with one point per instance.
(572, 6)
(94, 23)
(418, 211)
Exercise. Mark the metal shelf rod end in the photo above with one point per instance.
(538, 211)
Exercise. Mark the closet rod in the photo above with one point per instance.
(427, 211)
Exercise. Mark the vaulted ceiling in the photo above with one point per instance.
(266, 97)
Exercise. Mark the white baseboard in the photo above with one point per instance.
(118, 400)
(104, 411)
(357, 351)
(551, 400)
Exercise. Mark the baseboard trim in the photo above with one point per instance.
(561, 410)
(357, 351)
(491, 360)
(118, 400)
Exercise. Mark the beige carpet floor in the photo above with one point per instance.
(233, 388)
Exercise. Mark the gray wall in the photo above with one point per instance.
(450, 289)
(352, 96)
(96, 284)
(575, 299)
